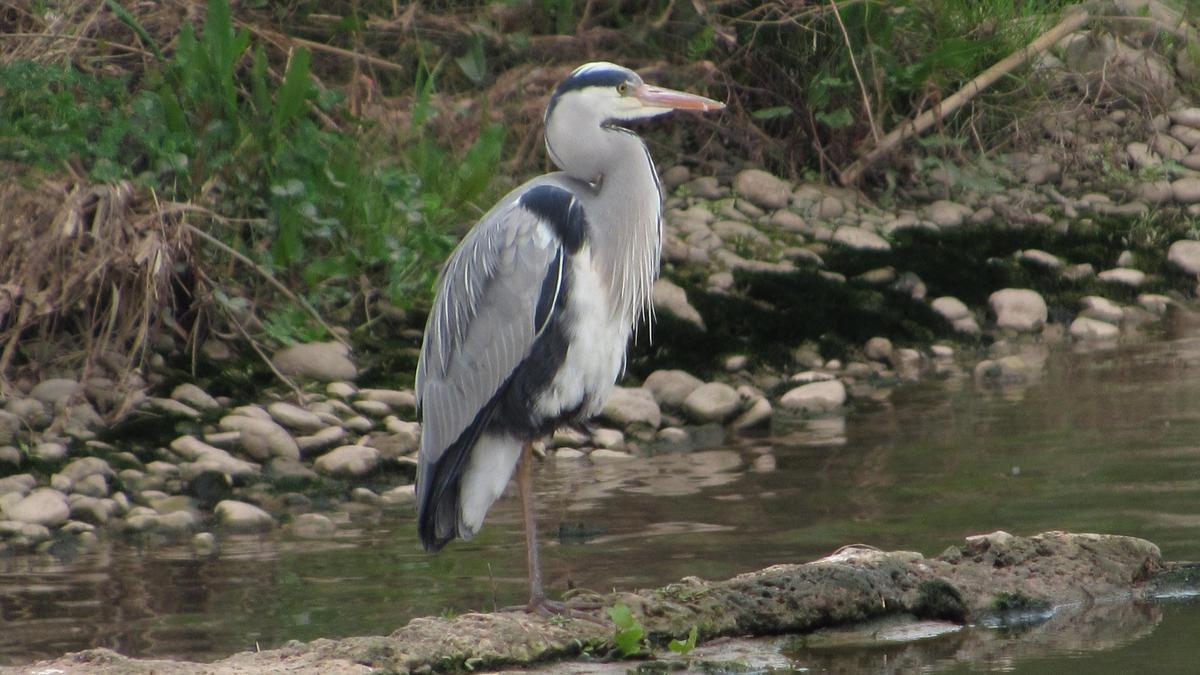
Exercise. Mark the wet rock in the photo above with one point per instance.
(400, 495)
(91, 509)
(195, 397)
(236, 516)
(1039, 258)
(763, 189)
(44, 506)
(1084, 328)
(757, 414)
(55, 391)
(295, 417)
(1184, 256)
(944, 213)
(1186, 190)
(264, 439)
(1124, 276)
(815, 396)
(878, 349)
(323, 361)
(1102, 309)
(1018, 309)
(569, 453)
(1010, 369)
(603, 455)
(313, 526)
(672, 300)
(1154, 303)
(348, 461)
(610, 439)
(290, 474)
(632, 406)
(712, 402)
(860, 240)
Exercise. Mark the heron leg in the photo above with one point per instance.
(537, 596)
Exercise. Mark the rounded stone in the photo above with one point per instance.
(44, 506)
(632, 406)
(348, 461)
(1186, 190)
(944, 213)
(671, 387)
(951, 308)
(878, 349)
(1039, 258)
(763, 189)
(757, 415)
(672, 300)
(712, 402)
(295, 417)
(400, 495)
(608, 438)
(236, 516)
(323, 361)
(191, 395)
(1142, 156)
(1124, 276)
(815, 396)
(1084, 328)
(1184, 256)
(204, 544)
(264, 439)
(313, 526)
(860, 239)
(1019, 309)
(87, 466)
(54, 391)
(1102, 309)
(600, 455)
(49, 452)
(399, 400)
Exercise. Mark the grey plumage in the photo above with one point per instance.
(536, 305)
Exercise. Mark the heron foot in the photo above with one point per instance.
(556, 609)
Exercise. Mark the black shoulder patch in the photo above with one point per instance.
(561, 210)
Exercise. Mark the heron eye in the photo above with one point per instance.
(623, 88)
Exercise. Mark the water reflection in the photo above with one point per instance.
(1103, 441)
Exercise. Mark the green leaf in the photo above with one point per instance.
(685, 646)
(630, 632)
(289, 102)
(772, 113)
(474, 63)
(838, 119)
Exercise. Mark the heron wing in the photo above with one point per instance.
(496, 294)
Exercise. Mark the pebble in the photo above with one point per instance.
(878, 349)
(264, 439)
(1154, 303)
(815, 396)
(341, 389)
(251, 411)
(295, 417)
(219, 461)
(951, 308)
(325, 438)
(313, 526)
(397, 400)
(790, 221)
(705, 187)
(736, 363)
(236, 516)
(94, 485)
(1189, 136)
(1189, 117)
(1186, 190)
(632, 406)
(569, 453)
(30, 410)
(9, 456)
(1142, 156)
(49, 452)
(323, 361)
(1102, 309)
(1124, 276)
(169, 406)
(608, 438)
(54, 391)
(601, 455)
(671, 300)
(1084, 328)
(1184, 256)
(204, 544)
(372, 408)
(402, 495)
(944, 213)
(763, 189)
(1019, 309)
(860, 240)
(348, 461)
(191, 395)
(757, 414)
(712, 402)
(359, 424)
(1039, 258)
(1168, 147)
(1080, 272)
(43, 506)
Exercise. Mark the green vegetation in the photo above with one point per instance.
(630, 636)
(684, 647)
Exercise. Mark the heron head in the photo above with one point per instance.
(613, 93)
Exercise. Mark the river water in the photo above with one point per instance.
(1106, 440)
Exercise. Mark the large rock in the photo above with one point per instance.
(672, 300)
(1184, 255)
(236, 516)
(264, 439)
(45, 506)
(632, 406)
(712, 402)
(671, 387)
(763, 189)
(324, 361)
(1019, 309)
(815, 396)
(348, 461)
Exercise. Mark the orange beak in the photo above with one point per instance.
(660, 97)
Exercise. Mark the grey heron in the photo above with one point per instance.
(536, 305)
